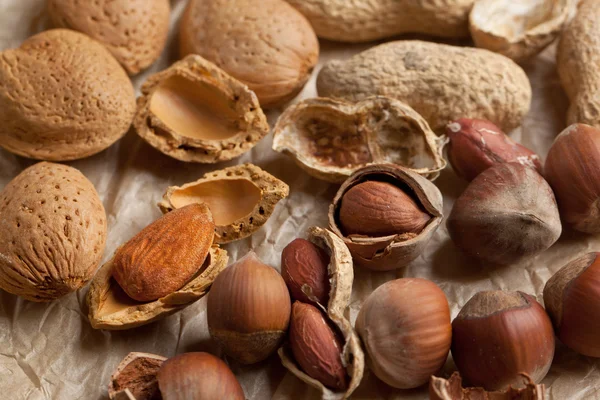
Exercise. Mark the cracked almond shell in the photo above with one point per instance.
(52, 232)
(63, 96)
(241, 199)
(341, 275)
(135, 377)
(331, 139)
(193, 111)
(394, 251)
(518, 31)
(452, 389)
(110, 308)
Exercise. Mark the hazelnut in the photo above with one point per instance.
(498, 335)
(476, 144)
(316, 347)
(507, 213)
(375, 209)
(405, 327)
(573, 170)
(249, 310)
(572, 298)
(304, 270)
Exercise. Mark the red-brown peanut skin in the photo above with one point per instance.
(198, 376)
(493, 349)
(316, 347)
(573, 170)
(477, 144)
(304, 270)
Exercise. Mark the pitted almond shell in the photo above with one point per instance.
(110, 308)
(395, 251)
(193, 111)
(331, 139)
(452, 389)
(135, 377)
(341, 276)
(517, 31)
(241, 198)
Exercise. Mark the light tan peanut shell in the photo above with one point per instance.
(518, 30)
(135, 377)
(341, 276)
(241, 198)
(194, 111)
(134, 31)
(366, 20)
(52, 232)
(110, 308)
(440, 82)
(266, 44)
(331, 139)
(63, 96)
(394, 251)
(577, 62)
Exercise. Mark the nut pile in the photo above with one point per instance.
(379, 129)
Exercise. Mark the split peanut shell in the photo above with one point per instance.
(518, 30)
(110, 308)
(331, 139)
(193, 111)
(452, 389)
(341, 275)
(394, 251)
(241, 199)
(135, 377)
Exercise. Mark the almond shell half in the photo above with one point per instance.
(341, 276)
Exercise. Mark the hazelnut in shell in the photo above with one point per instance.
(499, 335)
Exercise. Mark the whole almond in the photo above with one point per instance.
(166, 254)
(316, 347)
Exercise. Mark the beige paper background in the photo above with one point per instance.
(49, 351)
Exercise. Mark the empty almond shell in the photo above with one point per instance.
(341, 275)
(331, 139)
(110, 308)
(193, 111)
(135, 377)
(241, 199)
(395, 251)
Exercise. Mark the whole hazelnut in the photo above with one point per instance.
(476, 144)
(573, 170)
(316, 347)
(505, 214)
(498, 335)
(572, 298)
(304, 270)
(197, 376)
(376, 209)
(248, 310)
(405, 327)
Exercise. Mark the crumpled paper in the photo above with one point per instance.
(50, 351)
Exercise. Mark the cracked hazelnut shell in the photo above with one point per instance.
(135, 377)
(452, 389)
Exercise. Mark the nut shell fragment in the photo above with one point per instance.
(135, 377)
(331, 139)
(452, 389)
(110, 308)
(341, 276)
(193, 111)
(241, 198)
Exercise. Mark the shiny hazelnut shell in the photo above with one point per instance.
(498, 335)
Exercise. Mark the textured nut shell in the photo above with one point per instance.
(440, 82)
(366, 20)
(341, 277)
(139, 368)
(251, 124)
(408, 142)
(110, 308)
(52, 232)
(272, 190)
(577, 63)
(63, 96)
(134, 31)
(517, 30)
(390, 252)
(452, 389)
(275, 61)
